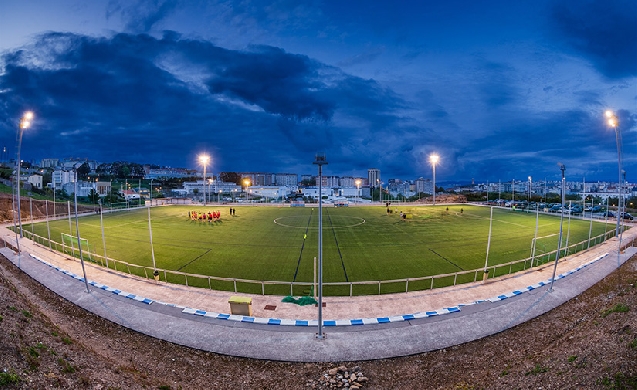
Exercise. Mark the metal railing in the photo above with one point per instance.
(273, 287)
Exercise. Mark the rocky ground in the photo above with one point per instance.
(588, 343)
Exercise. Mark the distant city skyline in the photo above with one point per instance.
(370, 172)
(498, 89)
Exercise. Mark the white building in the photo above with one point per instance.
(211, 188)
(271, 192)
(349, 192)
(35, 181)
(286, 179)
(373, 177)
(83, 188)
(59, 178)
(49, 162)
(312, 192)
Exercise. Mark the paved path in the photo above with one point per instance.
(390, 325)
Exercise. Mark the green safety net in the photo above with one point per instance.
(302, 301)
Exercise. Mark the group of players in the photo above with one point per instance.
(209, 216)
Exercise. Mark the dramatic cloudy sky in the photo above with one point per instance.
(499, 89)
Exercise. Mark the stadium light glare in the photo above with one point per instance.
(358, 188)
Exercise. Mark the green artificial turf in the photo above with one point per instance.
(359, 243)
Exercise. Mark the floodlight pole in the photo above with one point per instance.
(434, 160)
(204, 184)
(614, 123)
(320, 161)
(512, 192)
(23, 125)
(77, 229)
(590, 226)
(102, 226)
(25, 122)
(559, 240)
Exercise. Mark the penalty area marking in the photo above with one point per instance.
(358, 221)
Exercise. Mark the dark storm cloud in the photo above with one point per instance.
(140, 98)
(278, 82)
(605, 32)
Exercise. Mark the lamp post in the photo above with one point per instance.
(559, 240)
(378, 184)
(151, 192)
(434, 160)
(528, 201)
(77, 230)
(25, 123)
(203, 159)
(512, 193)
(613, 122)
(358, 185)
(320, 161)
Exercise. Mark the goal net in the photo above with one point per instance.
(71, 244)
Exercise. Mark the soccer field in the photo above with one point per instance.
(359, 243)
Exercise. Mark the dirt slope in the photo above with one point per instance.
(587, 343)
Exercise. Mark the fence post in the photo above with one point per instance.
(209, 285)
(350, 288)
(455, 278)
(407, 285)
(291, 284)
(234, 281)
(432, 283)
(379, 287)
(186, 276)
(262, 288)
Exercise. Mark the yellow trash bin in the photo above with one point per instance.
(240, 305)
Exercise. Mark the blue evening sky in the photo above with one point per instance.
(501, 90)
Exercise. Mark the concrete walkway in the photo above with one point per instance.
(356, 328)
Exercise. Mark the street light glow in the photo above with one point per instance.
(204, 158)
(434, 158)
(25, 121)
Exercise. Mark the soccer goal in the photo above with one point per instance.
(72, 243)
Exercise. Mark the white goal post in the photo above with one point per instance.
(72, 243)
